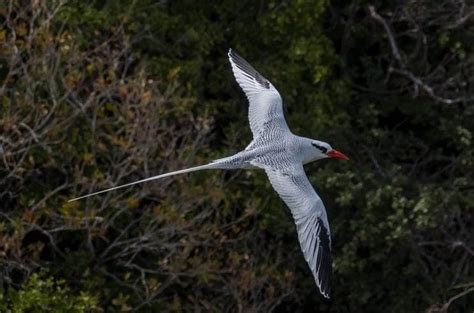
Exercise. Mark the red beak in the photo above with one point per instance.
(336, 154)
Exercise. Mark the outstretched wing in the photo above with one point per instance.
(311, 221)
(264, 100)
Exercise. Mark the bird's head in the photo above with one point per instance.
(322, 150)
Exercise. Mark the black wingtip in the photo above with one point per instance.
(325, 290)
(248, 69)
(326, 266)
(234, 56)
(327, 294)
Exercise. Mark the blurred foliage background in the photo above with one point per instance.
(98, 93)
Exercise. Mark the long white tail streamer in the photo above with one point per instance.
(192, 169)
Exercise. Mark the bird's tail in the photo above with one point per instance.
(212, 165)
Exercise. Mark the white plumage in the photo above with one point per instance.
(282, 155)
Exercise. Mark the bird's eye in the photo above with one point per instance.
(321, 148)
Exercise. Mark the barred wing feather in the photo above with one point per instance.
(265, 104)
(311, 221)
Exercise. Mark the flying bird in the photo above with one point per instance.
(281, 154)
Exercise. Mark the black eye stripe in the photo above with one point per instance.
(323, 149)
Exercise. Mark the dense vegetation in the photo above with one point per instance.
(98, 93)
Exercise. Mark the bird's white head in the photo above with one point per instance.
(321, 150)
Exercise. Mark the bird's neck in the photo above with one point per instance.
(306, 151)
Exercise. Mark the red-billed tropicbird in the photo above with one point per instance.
(281, 154)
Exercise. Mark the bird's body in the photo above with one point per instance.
(278, 153)
(281, 154)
